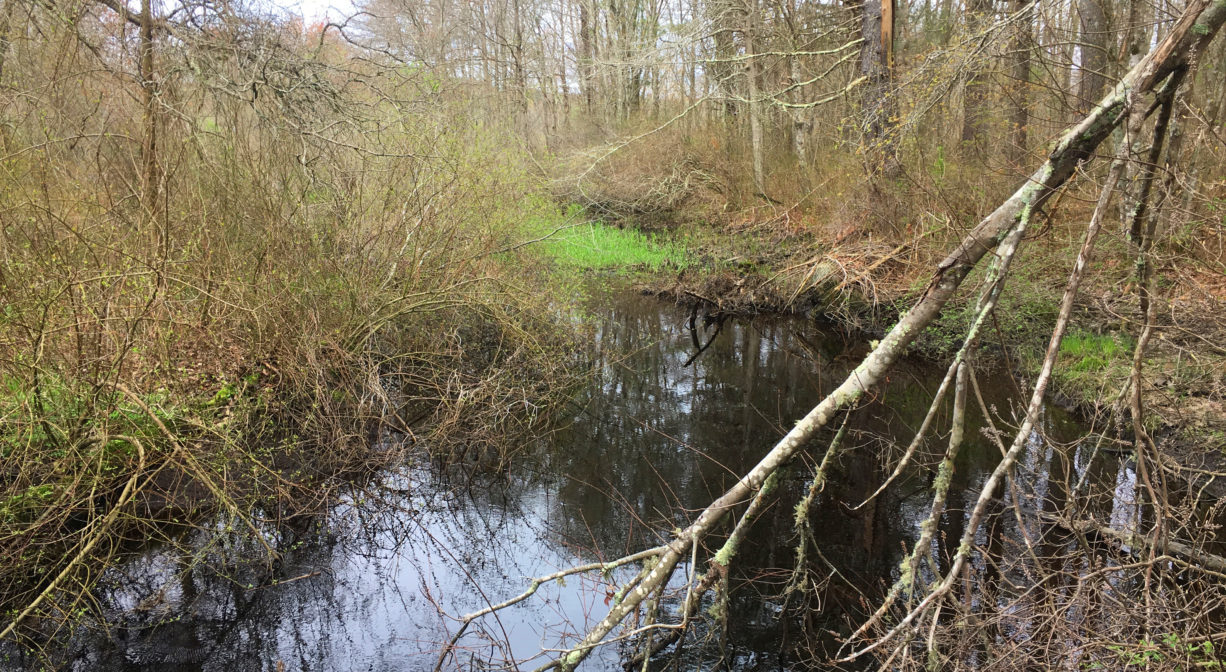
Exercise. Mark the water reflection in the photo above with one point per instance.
(377, 583)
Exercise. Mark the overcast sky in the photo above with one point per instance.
(314, 10)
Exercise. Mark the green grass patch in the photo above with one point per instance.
(1091, 365)
(1085, 351)
(597, 246)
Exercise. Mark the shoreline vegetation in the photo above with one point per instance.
(862, 291)
(252, 436)
(243, 333)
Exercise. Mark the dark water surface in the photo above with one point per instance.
(376, 583)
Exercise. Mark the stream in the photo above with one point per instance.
(377, 582)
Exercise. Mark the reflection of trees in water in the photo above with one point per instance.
(352, 589)
(189, 604)
(1042, 594)
(658, 438)
(368, 584)
(651, 417)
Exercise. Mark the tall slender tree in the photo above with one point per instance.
(1021, 44)
(1092, 47)
(876, 67)
(975, 107)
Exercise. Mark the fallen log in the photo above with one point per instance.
(1177, 51)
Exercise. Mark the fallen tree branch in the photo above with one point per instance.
(1139, 543)
(101, 528)
(1021, 438)
(1076, 145)
(535, 585)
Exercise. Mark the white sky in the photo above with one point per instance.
(314, 10)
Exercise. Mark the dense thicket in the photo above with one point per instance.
(237, 262)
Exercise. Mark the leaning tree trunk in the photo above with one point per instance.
(1197, 26)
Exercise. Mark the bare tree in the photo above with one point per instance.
(876, 66)
(1093, 48)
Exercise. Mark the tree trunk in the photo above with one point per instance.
(876, 59)
(517, 55)
(149, 172)
(6, 24)
(721, 66)
(800, 115)
(587, 52)
(1135, 39)
(563, 80)
(755, 105)
(1019, 114)
(974, 105)
(945, 23)
(1093, 46)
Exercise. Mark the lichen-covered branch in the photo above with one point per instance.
(1076, 145)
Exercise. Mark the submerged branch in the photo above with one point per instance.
(533, 586)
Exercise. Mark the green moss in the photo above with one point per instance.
(800, 514)
(771, 482)
(725, 554)
(906, 577)
(944, 475)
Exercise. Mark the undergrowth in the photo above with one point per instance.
(287, 308)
